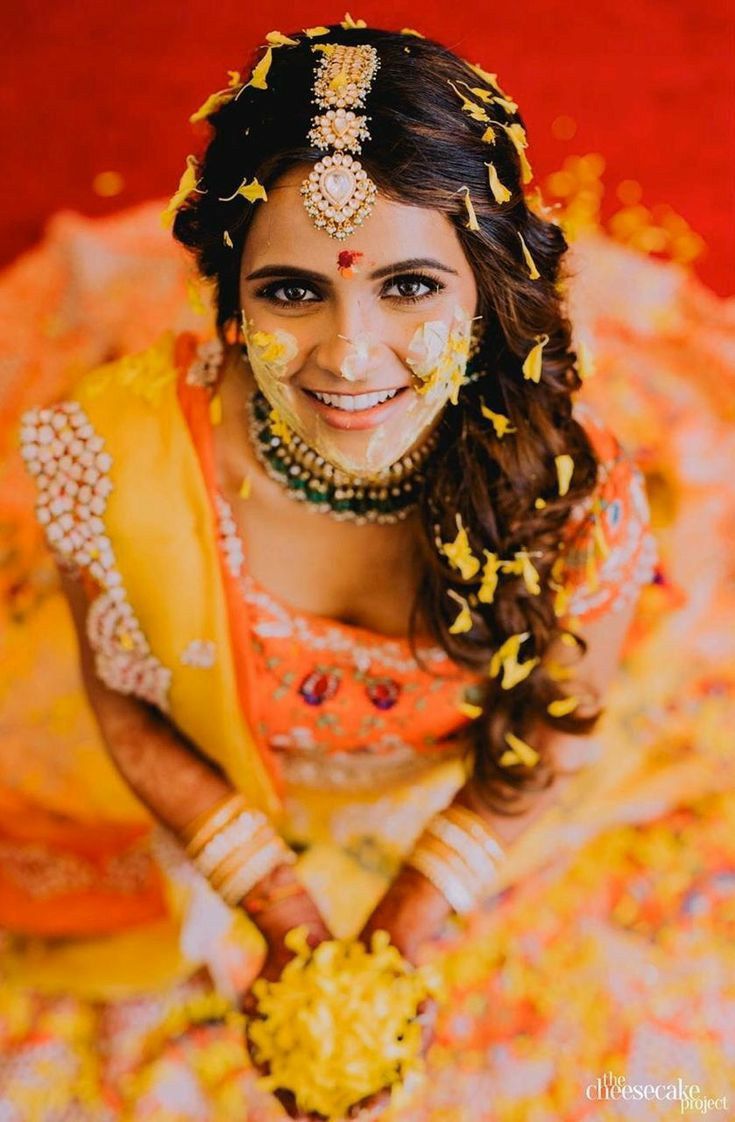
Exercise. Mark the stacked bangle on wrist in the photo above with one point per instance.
(458, 853)
(235, 846)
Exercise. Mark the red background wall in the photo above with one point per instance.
(93, 87)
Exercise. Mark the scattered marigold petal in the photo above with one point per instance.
(463, 622)
(533, 272)
(472, 223)
(227, 239)
(540, 503)
(258, 76)
(187, 184)
(245, 488)
(491, 79)
(562, 706)
(489, 580)
(509, 650)
(489, 135)
(459, 553)
(469, 106)
(213, 102)
(519, 753)
(533, 361)
(410, 31)
(350, 24)
(277, 39)
(564, 471)
(467, 709)
(251, 191)
(500, 192)
(499, 421)
(314, 32)
(507, 104)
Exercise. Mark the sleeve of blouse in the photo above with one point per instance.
(610, 551)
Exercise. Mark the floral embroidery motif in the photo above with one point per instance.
(70, 466)
(205, 367)
(383, 692)
(199, 652)
(319, 687)
(229, 539)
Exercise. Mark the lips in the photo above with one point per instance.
(357, 410)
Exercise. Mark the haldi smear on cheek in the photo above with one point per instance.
(356, 362)
(269, 354)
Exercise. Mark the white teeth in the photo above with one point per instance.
(354, 403)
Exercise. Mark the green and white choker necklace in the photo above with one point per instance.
(309, 478)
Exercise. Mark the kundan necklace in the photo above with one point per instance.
(308, 477)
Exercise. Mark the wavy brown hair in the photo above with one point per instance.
(423, 150)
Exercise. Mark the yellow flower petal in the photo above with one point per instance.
(463, 622)
(251, 191)
(472, 223)
(491, 79)
(489, 135)
(215, 410)
(475, 111)
(276, 39)
(540, 503)
(562, 706)
(526, 169)
(314, 32)
(564, 472)
(187, 184)
(258, 76)
(349, 23)
(467, 709)
(520, 752)
(459, 554)
(227, 239)
(410, 31)
(245, 488)
(213, 102)
(500, 422)
(533, 272)
(509, 650)
(500, 192)
(515, 672)
(507, 104)
(489, 581)
(533, 360)
(278, 426)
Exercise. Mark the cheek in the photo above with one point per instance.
(271, 353)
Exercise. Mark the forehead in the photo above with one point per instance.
(282, 230)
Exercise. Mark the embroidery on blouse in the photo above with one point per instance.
(199, 652)
(205, 367)
(70, 466)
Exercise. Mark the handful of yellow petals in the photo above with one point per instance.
(340, 1023)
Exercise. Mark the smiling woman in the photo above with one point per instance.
(332, 569)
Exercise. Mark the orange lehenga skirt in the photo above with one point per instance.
(613, 957)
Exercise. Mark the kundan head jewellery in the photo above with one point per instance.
(338, 194)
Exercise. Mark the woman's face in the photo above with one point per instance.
(358, 344)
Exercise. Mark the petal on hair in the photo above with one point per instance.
(463, 622)
(258, 76)
(467, 709)
(475, 111)
(489, 579)
(506, 103)
(500, 422)
(533, 360)
(562, 706)
(227, 239)
(507, 652)
(472, 223)
(526, 169)
(213, 102)
(564, 471)
(187, 183)
(350, 24)
(252, 191)
(533, 272)
(491, 79)
(313, 32)
(540, 503)
(245, 488)
(277, 39)
(459, 554)
(523, 566)
(500, 192)
(489, 135)
(410, 31)
(519, 752)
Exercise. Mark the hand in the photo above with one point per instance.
(412, 911)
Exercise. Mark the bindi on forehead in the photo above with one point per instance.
(347, 262)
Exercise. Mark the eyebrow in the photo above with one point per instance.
(386, 271)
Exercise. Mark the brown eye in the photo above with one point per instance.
(412, 288)
(293, 294)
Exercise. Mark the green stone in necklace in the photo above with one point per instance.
(308, 477)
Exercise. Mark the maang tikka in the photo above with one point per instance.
(339, 194)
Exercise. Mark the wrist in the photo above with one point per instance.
(279, 902)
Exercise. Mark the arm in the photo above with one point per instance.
(172, 778)
(413, 910)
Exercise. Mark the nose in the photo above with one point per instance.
(344, 350)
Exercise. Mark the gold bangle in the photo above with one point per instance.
(237, 856)
(472, 852)
(476, 827)
(240, 830)
(203, 828)
(248, 875)
(432, 867)
(454, 864)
